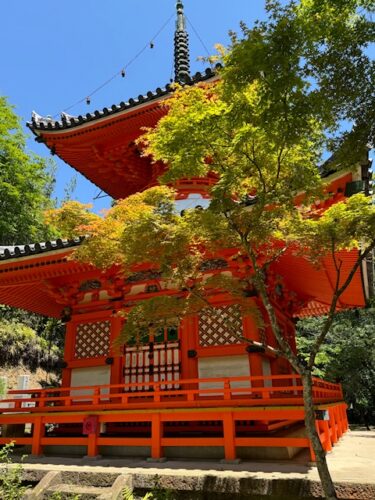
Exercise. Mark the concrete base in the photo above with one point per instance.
(173, 452)
(235, 461)
(351, 463)
(92, 459)
(156, 460)
(125, 451)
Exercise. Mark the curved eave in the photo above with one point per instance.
(103, 151)
(100, 145)
(34, 282)
(315, 283)
(69, 122)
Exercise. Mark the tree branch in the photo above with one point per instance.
(338, 292)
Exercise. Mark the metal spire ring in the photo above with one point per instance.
(181, 47)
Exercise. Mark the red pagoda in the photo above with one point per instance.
(195, 386)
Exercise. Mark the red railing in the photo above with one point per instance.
(206, 392)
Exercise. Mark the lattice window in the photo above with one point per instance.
(92, 340)
(220, 328)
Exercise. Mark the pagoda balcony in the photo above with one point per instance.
(230, 413)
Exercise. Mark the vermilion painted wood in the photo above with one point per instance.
(273, 441)
(279, 404)
(227, 416)
(51, 400)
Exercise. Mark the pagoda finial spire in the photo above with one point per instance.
(181, 47)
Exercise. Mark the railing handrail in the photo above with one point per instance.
(317, 383)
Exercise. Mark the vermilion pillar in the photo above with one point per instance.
(252, 333)
(115, 351)
(188, 344)
(68, 352)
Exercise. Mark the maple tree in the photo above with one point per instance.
(262, 129)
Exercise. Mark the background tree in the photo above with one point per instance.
(286, 86)
(347, 356)
(20, 344)
(26, 184)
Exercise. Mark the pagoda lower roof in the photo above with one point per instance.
(15, 251)
(43, 278)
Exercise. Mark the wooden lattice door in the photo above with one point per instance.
(155, 359)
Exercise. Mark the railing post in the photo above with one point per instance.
(68, 401)
(156, 450)
(42, 400)
(227, 391)
(38, 431)
(96, 396)
(265, 394)
(229, 436)
(157, 393)
(190, 395)
(327, 434)
(339, 422)
(333, 425)
(92, 444)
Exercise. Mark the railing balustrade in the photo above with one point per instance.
(253, 391)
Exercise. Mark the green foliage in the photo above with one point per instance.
(70, 219)
(128, 495)
(311, 60)
(49, 329)
(344, 226)
(160, 493)
(10, 476)
(157, 492)
(26, 184)
(20, 344)
(3, 387)
(261, 129)
(347, 356)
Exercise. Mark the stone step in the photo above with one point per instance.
(83, 485)
(69, 491)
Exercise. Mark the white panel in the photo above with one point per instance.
(266, 368)
(224, 366)
(95, 375)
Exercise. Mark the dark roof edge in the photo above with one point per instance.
(18, 251)
(68, 121)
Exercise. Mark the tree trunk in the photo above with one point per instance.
(320, 454)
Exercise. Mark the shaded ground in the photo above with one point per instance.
(352, 464)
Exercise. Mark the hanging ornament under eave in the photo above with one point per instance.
(123, 73)
(88, 101)
(152, 45)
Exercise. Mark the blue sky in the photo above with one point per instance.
(57, 52)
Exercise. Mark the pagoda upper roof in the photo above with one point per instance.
(67, 121)
(101, 145)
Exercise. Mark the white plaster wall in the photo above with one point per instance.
(92, 376)
(224, 366)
